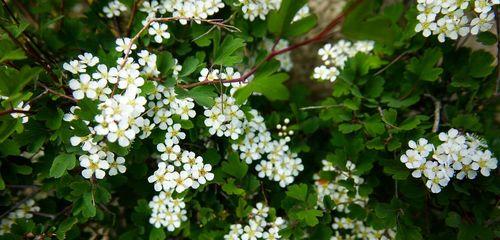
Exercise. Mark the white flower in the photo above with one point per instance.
(114, 9)
(423, 147)
(169, 150)
(83, 87)
(412, 159)
(93, 165)
(116, 165)
(482, 23)
(174, 133)
(202, 173)
(88, 59)
(159, 31)
(75, 67)
(485, 162)
(182, 181)
(122, 133)
(124, 45)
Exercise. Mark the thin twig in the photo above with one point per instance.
(497, 86)
(437, 112)
(321, 107)
(13, 208)
(391, 63)
(382, 116)
(132, 16)
(216, 22)
(317, 38)
(57, 93)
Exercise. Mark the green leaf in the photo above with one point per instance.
(480, 64)
(310, 216)
(234, 166)
(406, 232)
(157, 234)
(301, 26)
(65, 226)
(203, 95)
(349, 127)
(410, 123)
(423, 67)
(165, 63)
(16, 54)
(487, 38)
(62, 163)
(12, 81)
(453, 219)
(269, 85)
(374, 126)
(189, 66)
(280, 21)
(297, 191)
(9, 148)
(22, 169)
(227, 54)
(231, 188)
(374, 87)
(7, 127)
(2, 183)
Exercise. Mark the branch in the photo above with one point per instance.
(13, 208)
(437, 112)
(215, 22)
(497, 18)
(57, 93)
(317, 38)
(132, 16)
(9, 111)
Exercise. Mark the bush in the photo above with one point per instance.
(178, 119)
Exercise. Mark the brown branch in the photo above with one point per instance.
(216, 22)
(317, 38)
(57, 93)
(9, 111)
(437, 112)
(132, 16)
(497, 18)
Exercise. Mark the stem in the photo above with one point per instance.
(497, 86)
(317, 38)
(437, 112)
(321, 107)
(215, 22)
(132, 16)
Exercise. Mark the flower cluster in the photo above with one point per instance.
(253, 9)
(338, 193)
(346, 228)
(281, 165)
(454, 18)
(283, 129)
(183, 9)
(114, 9)
(457, 156)
(225, 118)
(258, 227)
(120, 105)
(335, 56)
(167, 211)
(25, 210)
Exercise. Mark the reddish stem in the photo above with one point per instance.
(317, 38)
